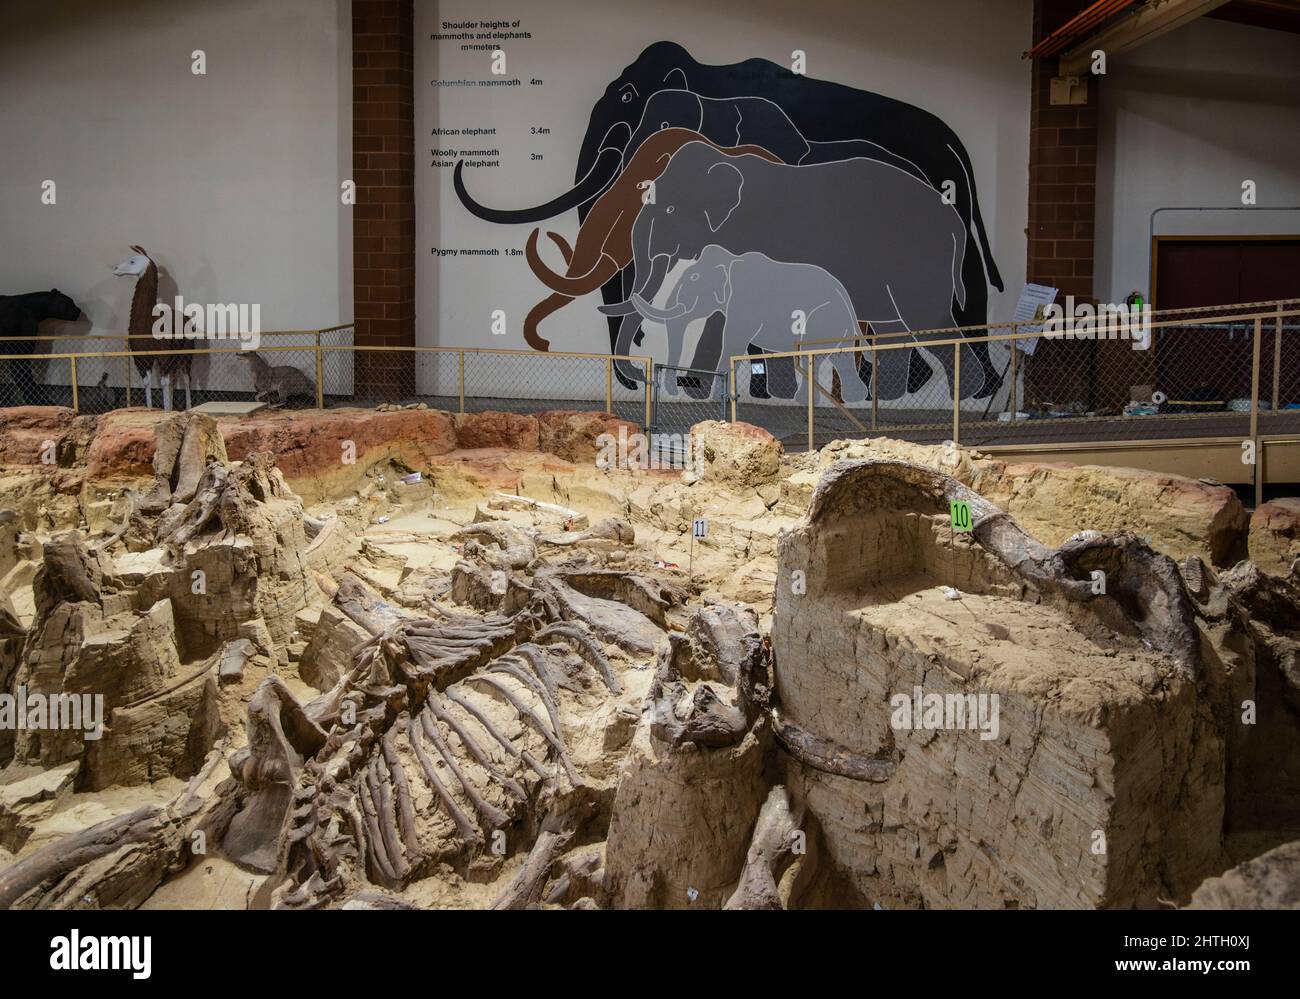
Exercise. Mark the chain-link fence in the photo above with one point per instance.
(94, 374)
(1185, 375)
(314, 368)
(1229, 372)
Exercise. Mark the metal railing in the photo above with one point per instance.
(1205, 373)
(1223, 373)
(322, 369)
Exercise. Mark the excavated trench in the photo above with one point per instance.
(495, 677)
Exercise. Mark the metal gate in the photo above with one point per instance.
(681, 398)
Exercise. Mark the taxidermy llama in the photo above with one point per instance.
(21, 316)
(277, 384)
(156, 367)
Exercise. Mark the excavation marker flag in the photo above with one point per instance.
(959, 511)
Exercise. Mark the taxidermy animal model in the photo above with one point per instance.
(276, 384)
(604, 245)
(21, 316)
(760, 298)
(153, 366)
(99, 397)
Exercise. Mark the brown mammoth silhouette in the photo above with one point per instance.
(604, 244)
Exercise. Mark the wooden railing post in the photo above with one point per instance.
(320, 381)
(460, 379)
(1277, 361)
(649, 369)
(875, 366)
(1015, 374)
(810, 384)
(609, 385)
(73, 360)
(1254, 378)
(956, 393)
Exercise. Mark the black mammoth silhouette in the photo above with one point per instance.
(822, 111)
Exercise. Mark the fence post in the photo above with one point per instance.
(1011, 392)
(875, 366)
(1254, 383)
(731, 379)
(1257, 468)
(127, 382)
(609, 385)
(320, 381)
(956, 393)
(810, 384)
(460, 379)
(73, 359)
(1277, 361)
(648, 372)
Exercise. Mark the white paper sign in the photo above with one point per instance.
(1030, 311)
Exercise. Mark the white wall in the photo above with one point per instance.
(958, 60)
(1184, 120)
(230, 180)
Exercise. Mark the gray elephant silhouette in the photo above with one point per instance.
(892, 241)
(763, 122)
(765, 302)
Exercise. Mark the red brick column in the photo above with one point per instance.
(1062, 212)
(383, 219)
(1062, 171)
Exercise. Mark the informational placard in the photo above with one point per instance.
(959, 514)
(1031, 310)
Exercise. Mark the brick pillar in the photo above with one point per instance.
(1062, 212)
(383, 219)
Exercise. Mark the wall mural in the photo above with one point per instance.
(786, 193)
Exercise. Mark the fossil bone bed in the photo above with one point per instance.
(406, 659)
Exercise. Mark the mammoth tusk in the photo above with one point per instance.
(604, 269)
(566, 251)
(657, 315)
(604, 170)
(625, 308)
(552, 303)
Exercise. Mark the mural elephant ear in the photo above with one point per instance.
(722, 185)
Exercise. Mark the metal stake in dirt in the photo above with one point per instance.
(699, 529)
(958, 523)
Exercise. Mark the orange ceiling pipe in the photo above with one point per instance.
(1078, 27)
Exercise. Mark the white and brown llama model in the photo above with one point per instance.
(154, 367)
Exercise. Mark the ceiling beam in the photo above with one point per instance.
(1152, 21)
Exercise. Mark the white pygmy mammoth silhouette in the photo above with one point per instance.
(766, 303)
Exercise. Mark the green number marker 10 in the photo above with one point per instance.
(959, 511)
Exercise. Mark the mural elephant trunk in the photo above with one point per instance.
(602, 172)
